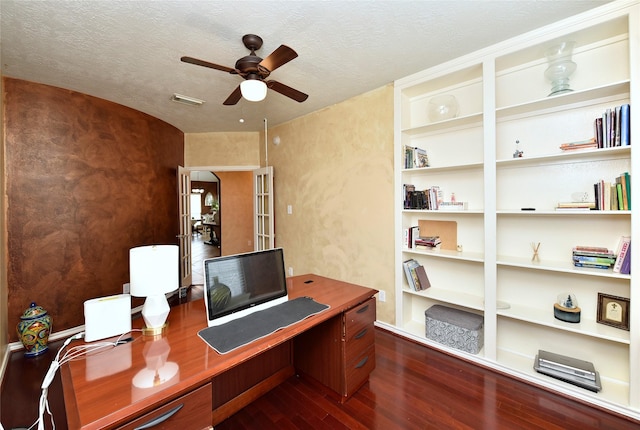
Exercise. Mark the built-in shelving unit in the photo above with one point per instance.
(503, 98)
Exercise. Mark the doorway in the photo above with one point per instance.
(205, 220)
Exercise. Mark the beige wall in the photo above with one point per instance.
(222, 149)
(335, 168)
(239, 153)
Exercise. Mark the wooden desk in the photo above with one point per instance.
(334, 347)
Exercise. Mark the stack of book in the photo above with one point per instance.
(582, 144)
(593, 257)
(416, 275)
(428, 242)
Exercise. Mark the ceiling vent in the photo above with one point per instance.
(191, 101)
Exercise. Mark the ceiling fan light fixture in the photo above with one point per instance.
(191, 101)
(253, 90)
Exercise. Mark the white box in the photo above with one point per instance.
(107, 317)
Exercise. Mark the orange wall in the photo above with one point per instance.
(87, 179)
(236, 212)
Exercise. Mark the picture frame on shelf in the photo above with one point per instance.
(613, 311)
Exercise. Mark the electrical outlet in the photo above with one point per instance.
(290, 271)
(126, 288)
(289, 209)
(382, 296)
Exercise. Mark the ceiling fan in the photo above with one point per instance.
(254, 70)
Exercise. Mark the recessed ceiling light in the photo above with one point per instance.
(191, 101)
(241, 120)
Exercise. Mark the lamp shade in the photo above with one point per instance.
(153, 270)
(253, 90)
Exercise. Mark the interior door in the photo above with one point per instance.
(184, 215)
(264, 236)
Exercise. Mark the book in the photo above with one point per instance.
(625, 127)
(592, 265)
(420, 158)
(598, 249)
(590, 259)
(623, 248)
(408, 265)
(582, 144)
(576, 205)
(422, 278)
(625, 269)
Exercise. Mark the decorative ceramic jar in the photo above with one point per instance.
(33, 330)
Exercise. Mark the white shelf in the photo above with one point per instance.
(462, 121)
(613, 391)
(586, 326)
(574, 97)
(558, 266)
(443, 253)
(445, 212)
(567, 157)
(563, 212)
(429, 170)
(452, 297)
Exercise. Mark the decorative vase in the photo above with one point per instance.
(560, 67)
(34, 329)
(442, 107)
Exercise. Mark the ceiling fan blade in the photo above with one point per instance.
(203, 63)
(234, 97)
(287, 91)
(277, 58)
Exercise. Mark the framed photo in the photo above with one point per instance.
(613, 311)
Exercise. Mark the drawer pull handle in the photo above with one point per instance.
(362, 362)
(362, 310)
(162, 418)
(362, 333)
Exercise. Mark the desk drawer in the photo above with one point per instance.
(358, 369)
(359, 343)
(359, 317)
(191, 411)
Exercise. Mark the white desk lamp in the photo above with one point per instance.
(153, 272)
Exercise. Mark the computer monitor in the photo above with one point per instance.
(240, 284)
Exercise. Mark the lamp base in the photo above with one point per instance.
(155, 331)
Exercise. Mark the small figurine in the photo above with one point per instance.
(518, 153)
(566, 308)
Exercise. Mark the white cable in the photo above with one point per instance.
(70, 354)
(43, 405)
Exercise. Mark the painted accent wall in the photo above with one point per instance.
(335, 168)
(236, 212)
(86, 180)
(4, 295)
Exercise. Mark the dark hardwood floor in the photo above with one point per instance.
(412, 387)
(415, 387)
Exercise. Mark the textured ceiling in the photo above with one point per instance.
(129, 51)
